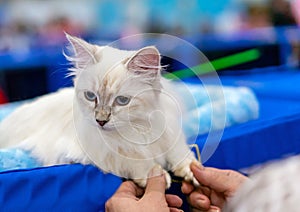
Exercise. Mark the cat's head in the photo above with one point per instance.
(116, 88)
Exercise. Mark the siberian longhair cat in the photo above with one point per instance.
(121, 116)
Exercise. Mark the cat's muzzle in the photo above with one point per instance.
(102, 122)
(102, 115)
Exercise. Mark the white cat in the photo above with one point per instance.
(121, 116)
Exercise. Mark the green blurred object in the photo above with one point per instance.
(215, 65)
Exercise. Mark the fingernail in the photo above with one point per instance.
(155, 171)
(200, 202)
(213, 209)
(197, 164)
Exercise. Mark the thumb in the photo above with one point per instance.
(217, 179)
(156, 180)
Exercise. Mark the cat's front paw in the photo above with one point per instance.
(156, 171)
(141, 182)
(168, 179)
(184, 170)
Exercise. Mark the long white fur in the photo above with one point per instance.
(61, 128)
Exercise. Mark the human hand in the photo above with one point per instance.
(129, 197)
(216, 187)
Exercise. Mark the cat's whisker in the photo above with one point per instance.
(134, 115)
(140, 127)
(131, 123)
(118, 124)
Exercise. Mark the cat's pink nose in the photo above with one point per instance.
(102, 122)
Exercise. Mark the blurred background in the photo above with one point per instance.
(32, 33)
(32, 41)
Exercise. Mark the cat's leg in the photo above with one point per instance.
(136, 169)
(155, 171)
(180, 158)
(182, 169)
(140, 170)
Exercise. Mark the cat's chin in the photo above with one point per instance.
(106, 128)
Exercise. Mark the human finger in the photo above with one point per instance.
(211, 209)
(219, 180)
(214, 209)
(130, 189)
(187, 188)
(175, 210)
(173, 200)
(156, 181)
(199, 201)
(217, 199)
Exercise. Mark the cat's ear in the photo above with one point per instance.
(84, 53)
(145, 62)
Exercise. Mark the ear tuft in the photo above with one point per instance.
(83, 52)
(145, 62)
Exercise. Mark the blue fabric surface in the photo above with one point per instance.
(214, 107)
(16, 159)
(275, 134)
(278, 85)
(257, 142)
(58, 188)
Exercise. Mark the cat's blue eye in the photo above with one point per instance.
(122, 100)
(90, 96)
